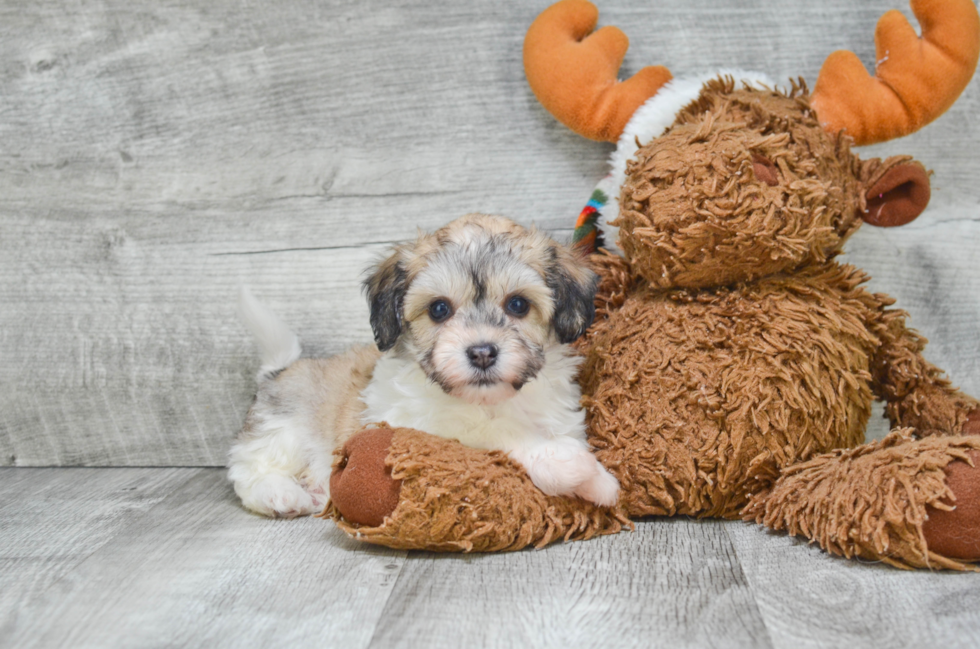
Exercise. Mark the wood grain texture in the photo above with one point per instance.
(53, 520)
(155, 156)
(810, 599)
(149, 557)
(671, 583)
(197, 570)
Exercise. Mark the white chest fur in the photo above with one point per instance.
(546, 407)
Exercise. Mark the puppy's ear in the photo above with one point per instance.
(385, 290)
(573, 288)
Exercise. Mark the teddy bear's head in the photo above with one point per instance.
(746, 183)
(726, 184)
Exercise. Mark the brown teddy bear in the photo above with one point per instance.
(732, 365)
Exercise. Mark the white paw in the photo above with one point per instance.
(601, 489)
(558, 469)
(570, 470)
(280, 496)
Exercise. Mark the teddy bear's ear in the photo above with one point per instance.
(897, 191)
(573, 288)
(386, 288)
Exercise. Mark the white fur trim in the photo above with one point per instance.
(650, 121)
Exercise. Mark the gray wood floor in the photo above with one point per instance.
(151, 557)
(154, 156)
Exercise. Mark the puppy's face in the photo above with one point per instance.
(477, 303)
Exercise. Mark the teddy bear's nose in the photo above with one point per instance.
(482, 356)
(765, 170)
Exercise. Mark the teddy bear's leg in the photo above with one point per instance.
(905, 501)
(410, 490)
(361, 483)
(917, 394)
(955, 532)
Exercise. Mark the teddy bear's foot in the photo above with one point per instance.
(953, 528)
(891, 500)
(410, 490)
(361, 486)
(972, 425)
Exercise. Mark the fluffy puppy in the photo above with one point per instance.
(472, 326)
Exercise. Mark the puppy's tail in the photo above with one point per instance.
(278, 346)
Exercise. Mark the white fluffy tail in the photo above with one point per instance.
(278, 346)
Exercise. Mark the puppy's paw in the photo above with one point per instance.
(280, 496)
(564, 470)
(557, 469)
(602, 488)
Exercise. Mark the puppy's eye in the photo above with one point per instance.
(517, 306)
(440, 310)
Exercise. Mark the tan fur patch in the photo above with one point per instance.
(338, 382)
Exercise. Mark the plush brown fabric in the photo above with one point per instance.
(694, 399)
(361, 485)
(695, 214)
(898, 196)
(459, 499)
(615, 281)
(972, 424)
(871, 501)
(917, 393)
(952, 527)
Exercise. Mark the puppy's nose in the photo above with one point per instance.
(482, 356)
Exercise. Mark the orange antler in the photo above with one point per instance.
(916, 79)
(574, 74)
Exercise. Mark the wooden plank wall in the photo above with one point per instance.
(154, 156)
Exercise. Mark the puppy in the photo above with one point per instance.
(472, 326)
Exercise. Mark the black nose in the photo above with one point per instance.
(482, 356)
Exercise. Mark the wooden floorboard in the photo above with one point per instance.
(167, 557)
(671, 583)
(810, 600)
(197, 570)
(53, 520)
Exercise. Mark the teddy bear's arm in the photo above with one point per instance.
(917, 393)
(615, 281)
(410, 490)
